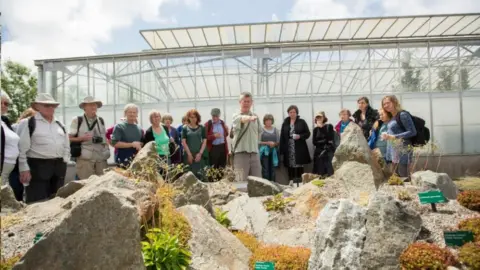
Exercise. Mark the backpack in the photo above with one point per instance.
(32, 124)
(336, 139)
(423, 133)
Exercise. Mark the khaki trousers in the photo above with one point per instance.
(247, 164)
(86, 168)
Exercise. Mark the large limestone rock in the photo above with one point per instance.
(308, 177)
(72, 187)
(192, 191)
(357, 179)
(100, 232)
(429, 180)
(146, 162)
(8, 203)
(391, 226)
(309, 200)
(258, 187)
(338, 237)
(247, 214)
(212, 245)
(222, 192)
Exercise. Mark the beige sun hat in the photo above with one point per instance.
(44, 98)
(89, 100)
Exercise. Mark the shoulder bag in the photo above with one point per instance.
(231, 156)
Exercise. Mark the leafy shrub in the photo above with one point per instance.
(319, 183)
(8, 263)
(403, 195)
(471, 224)
(470, 199)
(284, 257)
(426, 256)
(469, 255)
(248, 240)
(163, 251)
(174, 171)
(222, 218)
(212, 174)
(395, 180)
(277, 203)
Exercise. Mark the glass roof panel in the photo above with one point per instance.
(397, 27)
(288, 32)
(350, 29)
(197, 37)
(182, 37)
(470, 28)
(461, 24)
(212, 35)
(227, 34)
(242, 34)
(366, 29)
(152, 38)
(304, 30)
(168, 39)
(335, 28)
(413, 26)
(477, 31)
(258, 33)
(381, 28)
(428, 26)
(273, 32)
(445, 25)
(319, 30)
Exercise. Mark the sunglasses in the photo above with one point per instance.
(49, 105)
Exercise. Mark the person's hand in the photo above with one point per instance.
(319, 124)
(25, 177)
(217, 135)
(86, 137)
(171, 139)
(137, 145)
(296, 136)
(198, 157)
(271, 144)
(253, 118)
(189, 158)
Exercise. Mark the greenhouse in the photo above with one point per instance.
(432, 63)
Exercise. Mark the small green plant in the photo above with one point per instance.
(470, 199)
(395, 180)
(426, 256)
(212, 174)
(276, 203)
(403, 195)
(163, 251)
(319, 183)
(222, 218)
(8, 263)
(471, 224)
(469, 255)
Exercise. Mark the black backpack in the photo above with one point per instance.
(32, 124)
(423, 133)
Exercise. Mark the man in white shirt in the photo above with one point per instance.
(44, 151)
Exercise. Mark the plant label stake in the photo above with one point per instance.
(432, 197)
(457, 238)
(264, 266)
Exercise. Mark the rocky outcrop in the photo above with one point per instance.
(357, 179)
(8, 203)
(429, 180)
(192, 191)
(144, 165)
(222, 192)
(247, 214)
(72, 187)
(339, 237)
(258, 187)
(309, 200)
(212, 245)
(308, 177)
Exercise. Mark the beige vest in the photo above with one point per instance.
(91, 151)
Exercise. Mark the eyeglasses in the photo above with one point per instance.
(5, 104)
(49, 105)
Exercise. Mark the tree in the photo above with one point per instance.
(464, 79)
(411, 79)
(21, 85)
(445, 79)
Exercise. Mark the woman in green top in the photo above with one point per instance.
(194, 141)
(158, 133)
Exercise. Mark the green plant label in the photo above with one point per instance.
(264, 266)
(433, 196)
(457, 238)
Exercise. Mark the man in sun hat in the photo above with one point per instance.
(44, 150)
(88, 140)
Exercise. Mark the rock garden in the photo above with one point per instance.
(361, 218)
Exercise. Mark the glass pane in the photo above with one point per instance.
(213, 37)
(273, 32)
(258, 33)
(381, 28)
(470, 28)
(447, 23)
(413, 70)
(182, 38)
(444, 68)
(429, 26)
(325, 75)
(335, 28)
(467, 20)
(288, 32)
(296, 79)
(350, 29)
(242, 34)
(385, 72)
(197, 37)
(227, 34)
(366, 29)
(397, 27)
(413, 26)
(168, 39)
(153, 40)
(304, 30)
(319, 30)
(355, 71)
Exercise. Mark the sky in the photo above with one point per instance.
(43, 29)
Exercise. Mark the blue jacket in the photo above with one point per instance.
(265, 151)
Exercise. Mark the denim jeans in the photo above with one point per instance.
(268, 170)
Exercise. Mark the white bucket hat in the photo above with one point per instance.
(44, 98)
(89, 100)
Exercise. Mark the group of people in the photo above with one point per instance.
(36, 149)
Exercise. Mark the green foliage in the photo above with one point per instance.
(426, 256)
(469, 255)
(276, 203)
(212, 174)
(395, 180)
(163, 251)
(284, 257)
(411, 79)
(403, 195)
(248, 240)
(21, 85)
(445, 79)
(222, 218)
(319, 183)
(8, 263)
(471, 224)
(464, 79)
(470, 199)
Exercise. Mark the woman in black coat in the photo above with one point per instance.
(293, 144)
(324, 141)
(365, 116)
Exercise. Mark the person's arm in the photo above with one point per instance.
(184, 142)
(283, 138)
(66, 148)
(225, 129)
(305, 132)
(210, 135)
(204, 141)
(315, 140)
(23, 145)
(118, 136)
(74, 131)
(407, 122)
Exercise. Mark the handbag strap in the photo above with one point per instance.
(240, 137)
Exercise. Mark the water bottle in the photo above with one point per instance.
(37, 238)
(25, 185)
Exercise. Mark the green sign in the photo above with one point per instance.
(264, 266)
(457, 238)
(434, 196)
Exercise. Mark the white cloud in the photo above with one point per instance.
(274, 17)
(67, 28)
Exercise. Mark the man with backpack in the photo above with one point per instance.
(217, 134)
(88, 142)
(44, 151)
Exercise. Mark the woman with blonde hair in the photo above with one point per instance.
(399, 136)
(380, 127)
(160, 134)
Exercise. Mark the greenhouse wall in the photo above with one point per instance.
(439, 82)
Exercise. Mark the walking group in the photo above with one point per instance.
(36, 149)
